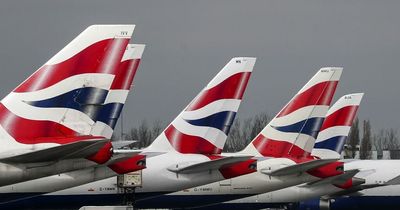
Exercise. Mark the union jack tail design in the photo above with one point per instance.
(202, 127)
(106, 115)
(292, 132)
(66, 99)
(336, 127)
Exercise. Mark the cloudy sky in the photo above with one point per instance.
(188, 42)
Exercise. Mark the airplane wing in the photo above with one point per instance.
(356, 189)
(394, 181)
(120, 144)
(298, 168)
(353, 191)
(117, 157)
(137, 151)
(187, 168)
(338, 179)
(79, 149)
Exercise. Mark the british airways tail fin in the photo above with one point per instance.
(202, 127)
(292, 132)
(106, 115)
(51, 105)
(336, 127)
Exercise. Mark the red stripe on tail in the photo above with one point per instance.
(341, 117)
(223, 90)
(319, 94)
(28, 131)
(184, 143)
(126, 73)
(274, 148)
(88, 60)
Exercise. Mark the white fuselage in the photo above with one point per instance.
(11, 174)
(247, 185)
(374, 172)
(156, 178)
(15, 173)
(60, 181)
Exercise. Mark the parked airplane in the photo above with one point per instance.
(330, 141)
(188, 149)
(309, 104)
(54, 121)
(283, 148)
(120, 164)
(385, 196)
(380, 190)
(365, 185)
(375, 184)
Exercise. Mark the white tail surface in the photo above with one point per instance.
(292, 132)
(336, 127)
(53, 104)
(202, 127)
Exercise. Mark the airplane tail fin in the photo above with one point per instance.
(106, 116)
(202, 127)
(292, 132)
(51, 106)
(336, 127)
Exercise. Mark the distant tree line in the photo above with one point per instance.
(144, 134)
(361, 141)
(243, 131)
(385, 139)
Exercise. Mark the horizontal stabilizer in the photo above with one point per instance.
(298, 168)
(120, 144)
(186, 168)
(117, 157)
(337, 180)
(133, 151)
(79, 149)
(361, 186)
(394, 181)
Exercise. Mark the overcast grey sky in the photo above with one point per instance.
(188, 42)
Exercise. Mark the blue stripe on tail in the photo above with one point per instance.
(309, 127)
(75, 99)
(221, 120)
(88, 100)
(335, 143)
(110, 113)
